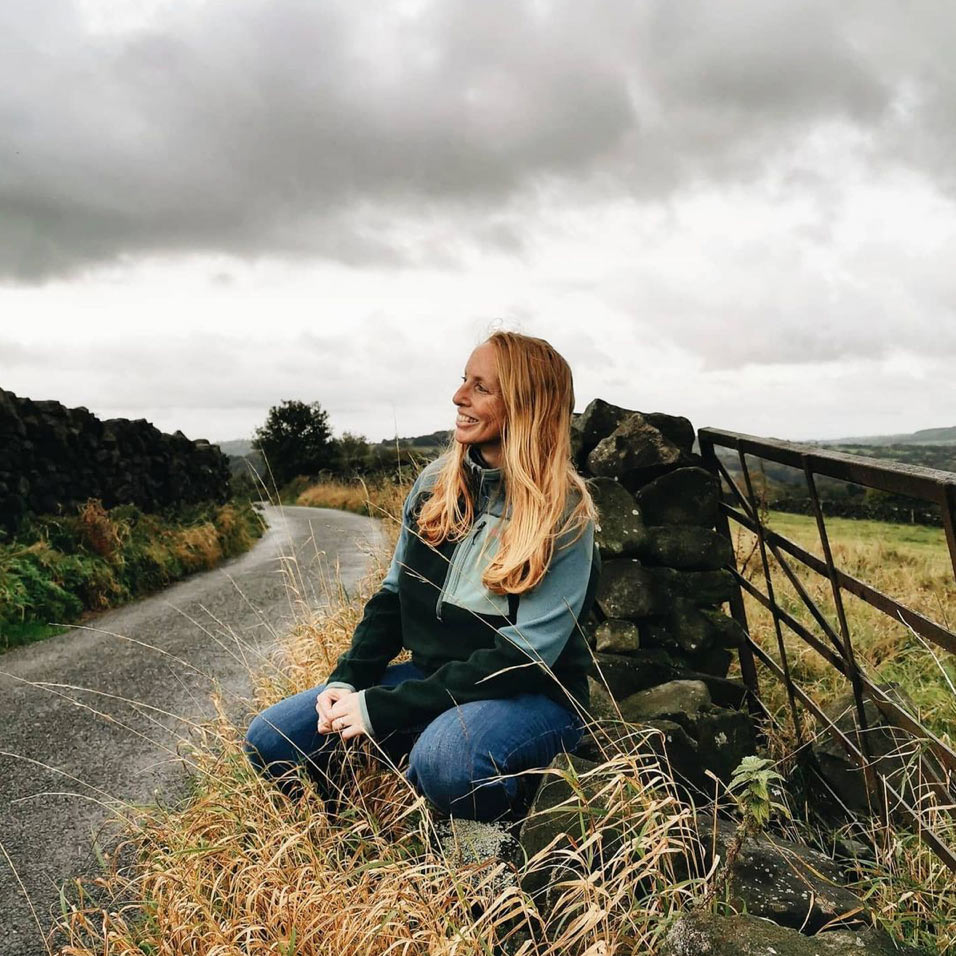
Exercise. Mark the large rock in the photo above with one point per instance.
(602, 704)
(714, 660)
(684, 546)
(726, 631)
(620, 530)
(724, 691)
(597, 421)
(464, 842)
(629, 591)
(665, 740)
(676, 697)
(724, 737)
(791, 884)
(685, 629)
(675, 428)
(704, 934)
(636, 452)
(626, 674)
(700, 587)
(685, 496)
(568, 825)
(690, 732)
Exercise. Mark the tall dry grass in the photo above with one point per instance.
(240, 867)
(380, 498)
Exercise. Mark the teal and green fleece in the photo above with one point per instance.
(472, 644)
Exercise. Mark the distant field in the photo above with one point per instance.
(920, 541)
(911, 564)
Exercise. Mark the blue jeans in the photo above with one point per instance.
(461, 761)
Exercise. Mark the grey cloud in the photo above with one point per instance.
(787, 312)
(372, 365)
(297, 128)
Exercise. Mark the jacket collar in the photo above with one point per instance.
(478, 469)
(486, 482)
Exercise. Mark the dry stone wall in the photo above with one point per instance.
(53, 458)
(662, 641)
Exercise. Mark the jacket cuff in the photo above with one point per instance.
(340, 683)
(363, 708)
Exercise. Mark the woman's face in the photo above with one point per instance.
(480, 408)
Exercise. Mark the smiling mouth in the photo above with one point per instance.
(465, 420)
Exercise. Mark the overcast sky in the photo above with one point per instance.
(743, 212)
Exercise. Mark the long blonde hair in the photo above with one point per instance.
(545, 497)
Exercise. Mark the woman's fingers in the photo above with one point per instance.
(338, 714)
(351, 731)
(325, 701)
(345, 718)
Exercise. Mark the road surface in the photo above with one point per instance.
(169, 650)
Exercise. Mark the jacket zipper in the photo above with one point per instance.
(451, 565)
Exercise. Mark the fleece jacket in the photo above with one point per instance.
(471, 643)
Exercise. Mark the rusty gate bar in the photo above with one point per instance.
(774, 610)
(900, 612)
(926, 484)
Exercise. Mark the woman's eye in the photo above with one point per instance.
(481, 388)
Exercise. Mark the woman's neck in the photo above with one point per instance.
(488, 456)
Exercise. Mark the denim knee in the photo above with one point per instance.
(261, 744)
(468, 787)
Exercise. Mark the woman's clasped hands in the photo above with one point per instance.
(339, 712)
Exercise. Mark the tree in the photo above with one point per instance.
(296, 440)
(351, 453)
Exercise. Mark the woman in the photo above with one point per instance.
(494, 565)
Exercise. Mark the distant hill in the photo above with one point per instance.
(237, 448)
(925, 436)
(433, 440)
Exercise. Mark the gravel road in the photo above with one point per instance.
(200, 632)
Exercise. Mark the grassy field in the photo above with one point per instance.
(61, 567)
(911, 564)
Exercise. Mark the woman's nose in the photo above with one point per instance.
(459, 397)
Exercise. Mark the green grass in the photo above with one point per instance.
(15, 635)
(803, 529)
(911, 564)
(64, 566)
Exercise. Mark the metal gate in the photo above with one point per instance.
(835, 644)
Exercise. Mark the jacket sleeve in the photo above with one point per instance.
(378, 636)
(520, 660)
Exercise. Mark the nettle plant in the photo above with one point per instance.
(750, 786)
